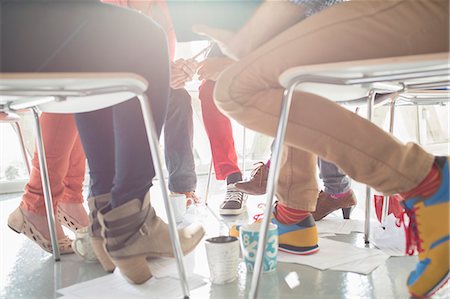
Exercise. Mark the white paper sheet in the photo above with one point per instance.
(163, 284)
(115, 286)
(341, 226)
(336, 255)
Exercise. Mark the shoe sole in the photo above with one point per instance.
(308, 252)
(232, 212)
(438, 286)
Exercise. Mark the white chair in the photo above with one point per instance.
(76, 93)
(413, 79)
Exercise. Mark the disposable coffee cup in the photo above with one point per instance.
(249, 237)
(179, 206)
(82, 246)
(223, 258)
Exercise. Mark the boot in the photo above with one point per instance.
(96, 203)
(134, 233)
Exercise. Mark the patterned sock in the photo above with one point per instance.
(340, 195)
(428, 186)
(289, 215)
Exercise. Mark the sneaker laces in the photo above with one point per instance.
(234, 195)
(413, 240)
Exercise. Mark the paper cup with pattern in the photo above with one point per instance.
(249, 237)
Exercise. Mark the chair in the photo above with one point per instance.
(76, 93)
(13, 119)
(417, 79)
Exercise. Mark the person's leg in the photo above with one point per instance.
(240, 93)
(178, 139)
(337, 193)
(70, 210)
(59, 135)
(220, 135)
(372, 30)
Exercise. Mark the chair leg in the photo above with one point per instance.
(244, 133)
(46, 185)
(156, 157)
(385, 205)
(208, 184)
(274, 172)
(370, 106)
(16, 126)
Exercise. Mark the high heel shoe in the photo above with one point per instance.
(134, 233)
(67, 220)
(326, 205)
(19, 223)
(96, 203)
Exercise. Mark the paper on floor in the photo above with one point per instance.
(163, 284)
(340, 256)
(341, 226)
(115, 286)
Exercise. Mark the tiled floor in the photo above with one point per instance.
(28, 272)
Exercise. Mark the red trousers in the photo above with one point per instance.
(220, 134)
(65, 163)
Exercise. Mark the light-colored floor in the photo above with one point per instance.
(26, 271)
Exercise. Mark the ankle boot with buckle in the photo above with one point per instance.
(96, 203)
(133, 232)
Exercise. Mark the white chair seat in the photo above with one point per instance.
(346, 72)
(75, 92)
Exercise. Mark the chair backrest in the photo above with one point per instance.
(73, 92)
(347, 80)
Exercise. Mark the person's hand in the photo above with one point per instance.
(211, 68)
(182, 71)
(177, 75)
(223, 38)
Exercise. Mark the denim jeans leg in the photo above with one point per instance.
(178, 142)
(334, 179)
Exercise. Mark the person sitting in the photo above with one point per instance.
(124, 227)
(355, 30)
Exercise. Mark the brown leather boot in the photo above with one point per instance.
(96, 203)
(258, 181)
(133, 233)
(326, 205)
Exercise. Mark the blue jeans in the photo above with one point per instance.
(334, 179)
(92, 40)
(178, 142)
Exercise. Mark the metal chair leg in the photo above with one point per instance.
(208, 184)
(46, 185)
(385, 206)
(243, 150)
(274, 172)
(16, 126)
(370, 106)
(156, 157)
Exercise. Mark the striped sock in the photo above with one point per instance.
(427, 187)
(289, 216)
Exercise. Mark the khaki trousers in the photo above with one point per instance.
(250, 93)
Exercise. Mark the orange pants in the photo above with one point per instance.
(65, 163)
